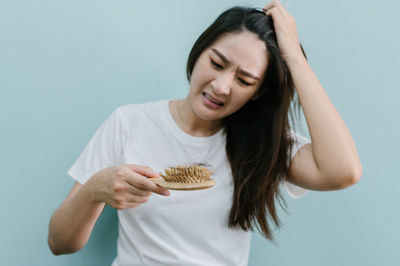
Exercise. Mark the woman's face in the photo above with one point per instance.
(227, 75)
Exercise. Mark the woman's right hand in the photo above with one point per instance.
(124, 186)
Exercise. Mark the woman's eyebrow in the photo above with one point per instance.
(242, 71)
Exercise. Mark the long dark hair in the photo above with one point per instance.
(258, 142)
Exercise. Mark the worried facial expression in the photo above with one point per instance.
(227, 75)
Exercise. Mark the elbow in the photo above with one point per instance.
(60, 250)
(53, 248)
(351, 178)
(55, 251)
(356, 174)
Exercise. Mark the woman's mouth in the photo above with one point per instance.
(211, 101)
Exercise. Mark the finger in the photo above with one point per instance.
(143, 170)
(125, 205)
(273, 12)
(139, 192)
(141, 182)
(128, 201)
(137, 199)
(270, 5)
(279, 19)
(282, 9)
(278, 5)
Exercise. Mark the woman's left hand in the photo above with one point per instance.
(285, 29)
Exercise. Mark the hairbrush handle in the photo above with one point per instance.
(182, 186)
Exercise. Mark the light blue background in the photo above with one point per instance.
(66, 65)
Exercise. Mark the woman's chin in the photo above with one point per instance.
(208, 114)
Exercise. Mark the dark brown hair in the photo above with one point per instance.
(258, 141)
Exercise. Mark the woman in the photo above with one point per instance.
(243, 73)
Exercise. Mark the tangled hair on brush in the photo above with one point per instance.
(258, 141)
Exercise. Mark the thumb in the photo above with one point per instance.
(143, 170)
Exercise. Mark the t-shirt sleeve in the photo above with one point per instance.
(104, 149)
(293, 190)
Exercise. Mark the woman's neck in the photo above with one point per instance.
(188, 121)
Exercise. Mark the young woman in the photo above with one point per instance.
(243, 72)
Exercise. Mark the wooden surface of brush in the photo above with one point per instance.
(185, 177)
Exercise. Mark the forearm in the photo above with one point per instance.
(72, 223)
(334, 150)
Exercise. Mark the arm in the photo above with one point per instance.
(72, 223)
(121, 187)
(331, 161)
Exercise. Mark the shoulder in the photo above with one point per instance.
(134, 113)
(132, 107)
(127, 110)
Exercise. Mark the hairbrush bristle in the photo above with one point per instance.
(187, 174)
(191, 176)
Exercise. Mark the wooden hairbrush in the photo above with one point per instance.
(185, 177)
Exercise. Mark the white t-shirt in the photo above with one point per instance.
(187, 227)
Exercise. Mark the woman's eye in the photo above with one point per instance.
(216, 65)
(244, 82)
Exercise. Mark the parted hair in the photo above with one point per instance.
(258, 139)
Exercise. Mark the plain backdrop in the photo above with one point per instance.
(66, 65)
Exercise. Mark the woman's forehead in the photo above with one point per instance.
(243, 48)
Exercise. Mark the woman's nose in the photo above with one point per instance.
(222, 84)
